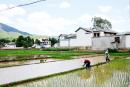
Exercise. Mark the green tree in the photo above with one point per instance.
(19, 41)
(37, 42)
(29, 41)
(24, 42)
(99, 23)
(13, 40)
(53, 41)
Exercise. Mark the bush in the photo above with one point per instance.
(129, 50)
(113, 50)
(57, 49)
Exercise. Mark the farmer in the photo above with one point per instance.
(107, 56)
(87, 63)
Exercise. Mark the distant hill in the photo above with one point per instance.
(11, 29)
(9, 32)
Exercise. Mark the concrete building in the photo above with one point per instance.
(44, 43)
(10, 45)
(124, 40)
(121, 41)
(83, 37)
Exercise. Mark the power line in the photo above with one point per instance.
(22, 5)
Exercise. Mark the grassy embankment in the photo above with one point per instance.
(56, 54)
(52, 54)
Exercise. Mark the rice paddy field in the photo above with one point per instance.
(113, 74)
(56, 54)
(23, 54)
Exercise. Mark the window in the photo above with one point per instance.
(117, 39)
(96, 34)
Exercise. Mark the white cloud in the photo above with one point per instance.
(65, 4)
(4, 19)
(85, 20)
(105, 9)
(44, 24)
(11, 12)
(85, 17)
(8, 16)
(128, 7)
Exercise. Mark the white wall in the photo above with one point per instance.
(102, 34)
(122, 41)
(102, 43)
(64, 43)
(11, 46)
(127, 41)
(83, 39)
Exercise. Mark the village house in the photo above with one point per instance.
(10, 45)
(83, 37)
(119, 41)
(44, 43)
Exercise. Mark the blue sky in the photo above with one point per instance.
(54, 17)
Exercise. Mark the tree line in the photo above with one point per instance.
(26, 42)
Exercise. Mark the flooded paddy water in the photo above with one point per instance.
(24, 60)
(115, 74)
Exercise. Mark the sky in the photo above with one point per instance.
(54, 17)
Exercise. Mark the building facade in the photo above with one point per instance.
(83, 37)
(121, 41)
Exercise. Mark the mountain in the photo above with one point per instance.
(9, 32)
(11, 29)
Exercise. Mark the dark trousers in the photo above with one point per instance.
(107, 59)
(87, 65)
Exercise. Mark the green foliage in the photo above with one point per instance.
(9, 35)
(37, 42)
(52, 54)
(113, 50)
(19, 41)
(98, 22)
(58, 49)
(14, 40)
(3, 41)
(53, 41)
(24, 42)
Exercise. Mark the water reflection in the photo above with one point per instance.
(25, 62)
(96, 77)
(21, 57)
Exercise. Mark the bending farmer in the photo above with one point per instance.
(87, 63)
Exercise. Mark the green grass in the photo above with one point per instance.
(126, 54)
(56, 54)
(120, 64)
(53, 54)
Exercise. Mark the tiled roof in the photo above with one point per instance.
(95, 30)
